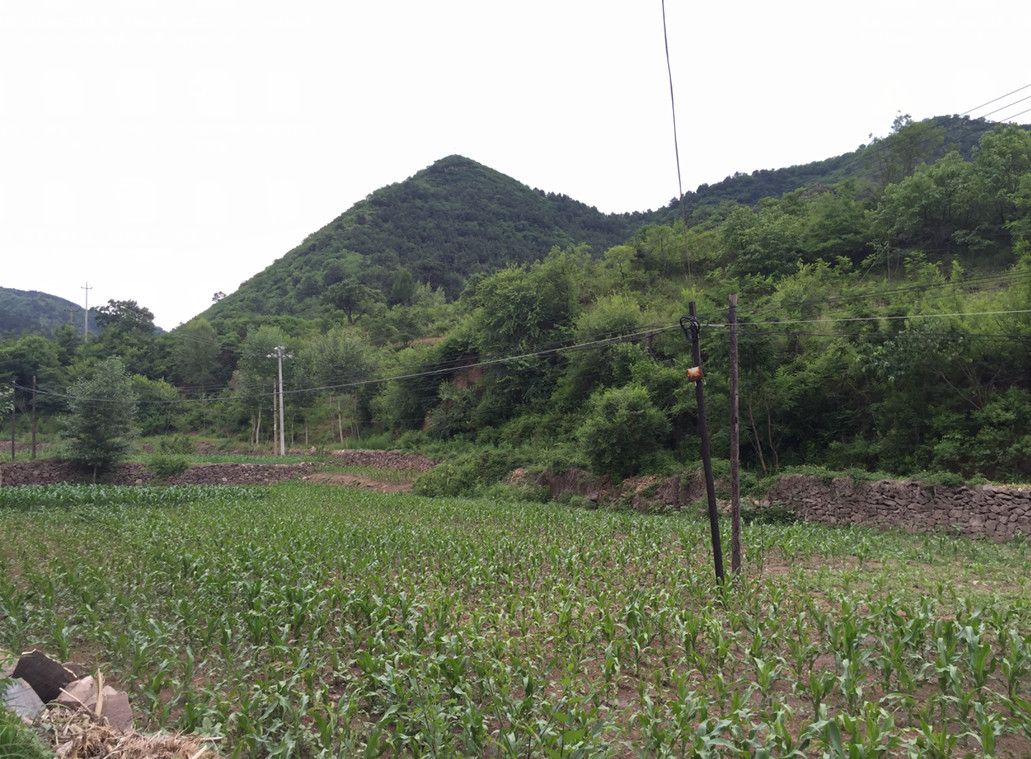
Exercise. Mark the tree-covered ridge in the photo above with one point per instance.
(458, 219)
(24, 311)
(452, 220)
(869, 166)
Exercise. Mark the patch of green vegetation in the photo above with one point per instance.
(381, 441)
(165, 465)
(176, 444)
(373, 473)
(17, 741)
(944, 479)
(353, 623)
(468, 474)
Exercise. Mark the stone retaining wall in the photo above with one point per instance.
(47, 471)
(999, 513)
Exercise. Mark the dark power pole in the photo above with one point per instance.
(14, 413)
(695, 375)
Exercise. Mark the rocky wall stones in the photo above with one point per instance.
(997, 512)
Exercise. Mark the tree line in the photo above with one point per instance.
(885, 327)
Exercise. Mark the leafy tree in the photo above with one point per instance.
(6, 402)
(403, 288)
(622, 429)
(767, 242)
(403, 403)
(839, 225)
(197, 353)
(35, 356)
(1020, 226)
(605, 365)
(257, 373)
(994, 441)
(338, 357)
(907, 146)
(331, 366)
(352, 297)
(159, 407)
(69, 340)
(125, 317)
(925, 210)
(623, 262)
(1001, 162)
(99, 427)
(127, 331)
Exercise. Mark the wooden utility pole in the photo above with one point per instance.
(703, 432)
(735, 481)
(33, 417)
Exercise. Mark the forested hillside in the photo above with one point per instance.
(457, 219)
(450, 221)
(23, 311)
(886, 325)
(870, 166)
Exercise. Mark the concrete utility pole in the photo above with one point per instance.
(735, 447)
(85, 316)
(279, 355)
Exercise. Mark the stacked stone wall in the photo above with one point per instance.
(47, 471)
(999, 513)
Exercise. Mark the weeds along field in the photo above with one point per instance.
(300, 621)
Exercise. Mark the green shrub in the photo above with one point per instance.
(488, 436)
(166, 466)
(411, 440)
(823, 474)
(178, 444)
(622, 431)
(575, 500)
(379, 441)
(447, 479)
(467, 475)
(945, 479)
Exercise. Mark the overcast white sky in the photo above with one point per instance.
(163, 150)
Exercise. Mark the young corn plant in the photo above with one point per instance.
(872, 735)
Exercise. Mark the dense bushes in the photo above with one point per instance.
(622, 430)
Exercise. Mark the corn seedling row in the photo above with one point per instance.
(308, 621)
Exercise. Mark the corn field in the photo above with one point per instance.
(312, 621)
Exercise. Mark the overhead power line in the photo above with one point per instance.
(846, 319)
(1013, 116)
(1008, 105)
(995, 100)
(639, 334)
